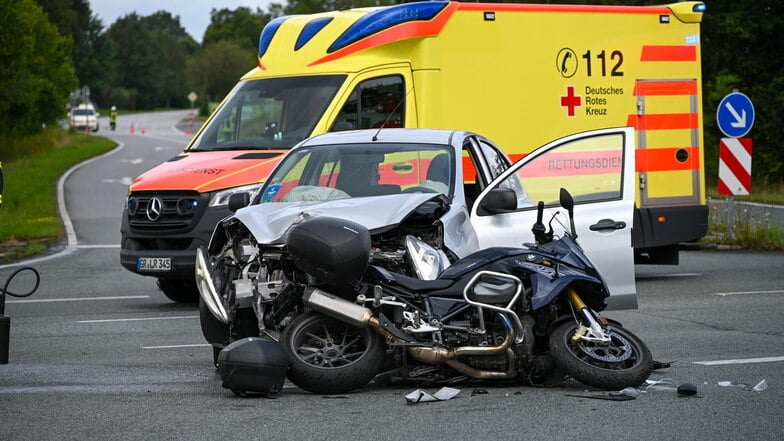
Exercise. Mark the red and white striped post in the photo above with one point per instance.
(734, 166)
(734, 173)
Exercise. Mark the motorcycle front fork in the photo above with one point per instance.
(594, 332)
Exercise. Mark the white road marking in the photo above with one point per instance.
(139, 319)
(125, 180)
(77, 299)
(132, 161)
(98, 246)
(668, 275)
(723, 294)
(739, 361)
(200, 345)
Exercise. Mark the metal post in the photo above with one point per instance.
(5, 338)
(731, 216)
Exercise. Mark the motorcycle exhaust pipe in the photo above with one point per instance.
(473, 372)
(449, 357)
(334, 306)
(343, 310)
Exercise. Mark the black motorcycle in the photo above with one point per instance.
(526, 315)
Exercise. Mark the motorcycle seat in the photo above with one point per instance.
(409, 283)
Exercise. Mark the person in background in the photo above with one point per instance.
(113, 117)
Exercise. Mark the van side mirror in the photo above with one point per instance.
(498, 200)
(239, 200)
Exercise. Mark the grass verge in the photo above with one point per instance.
(750, 229)
(29, 220)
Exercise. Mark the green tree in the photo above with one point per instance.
(92, 52)
(240, 26)
(230, 49)
(36, 74)
(218, 68)
(151, 54)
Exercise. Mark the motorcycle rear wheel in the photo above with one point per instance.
(328, 356)
(625, 362)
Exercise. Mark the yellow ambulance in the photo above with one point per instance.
(520, 74)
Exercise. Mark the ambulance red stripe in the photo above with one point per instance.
(664, 121)
(669, 53)
(665, 159)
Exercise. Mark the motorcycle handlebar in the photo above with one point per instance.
(538, 228)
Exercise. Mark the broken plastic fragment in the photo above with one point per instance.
(628, 391)
(762, 385)
(421, 396)
(663, 384)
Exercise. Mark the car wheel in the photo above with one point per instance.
(180, 291)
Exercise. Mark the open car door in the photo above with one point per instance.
(597, 168)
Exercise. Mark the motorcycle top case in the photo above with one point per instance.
(253, 364)
(333, 250)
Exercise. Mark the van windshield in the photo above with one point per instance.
(271, 113)
(83, 112)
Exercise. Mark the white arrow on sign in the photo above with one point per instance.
(740, 120)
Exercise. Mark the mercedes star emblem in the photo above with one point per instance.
(154, 209)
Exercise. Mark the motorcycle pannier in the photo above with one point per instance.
(253, 365)
(333, 250)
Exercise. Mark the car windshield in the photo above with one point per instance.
(83, 112)
(360, 170)
(272, 113)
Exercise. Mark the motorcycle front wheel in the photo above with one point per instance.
(624, 362)
(328, 356)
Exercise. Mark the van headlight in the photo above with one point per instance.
(221, 198)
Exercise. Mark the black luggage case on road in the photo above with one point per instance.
(253, 365)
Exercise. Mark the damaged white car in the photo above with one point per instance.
(420, 193)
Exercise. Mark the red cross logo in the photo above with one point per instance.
(571, 101)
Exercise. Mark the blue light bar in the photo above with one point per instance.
(385, 18)
(265, 38)
(310, 30)
(699, 7)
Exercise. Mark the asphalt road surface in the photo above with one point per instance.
(99, 353)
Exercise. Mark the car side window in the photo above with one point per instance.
(590, 168)
(496, 161)
(374, 103)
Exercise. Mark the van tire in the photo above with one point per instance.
(180, 291)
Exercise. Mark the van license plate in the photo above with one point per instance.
(153, 263)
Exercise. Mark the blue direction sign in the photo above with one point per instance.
(735, 115)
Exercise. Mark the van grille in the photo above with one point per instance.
(166, 212)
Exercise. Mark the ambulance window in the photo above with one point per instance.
(373, 103)
(269, 113)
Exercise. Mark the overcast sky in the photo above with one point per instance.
(194, 14)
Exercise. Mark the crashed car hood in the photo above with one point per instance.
(269, 222)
